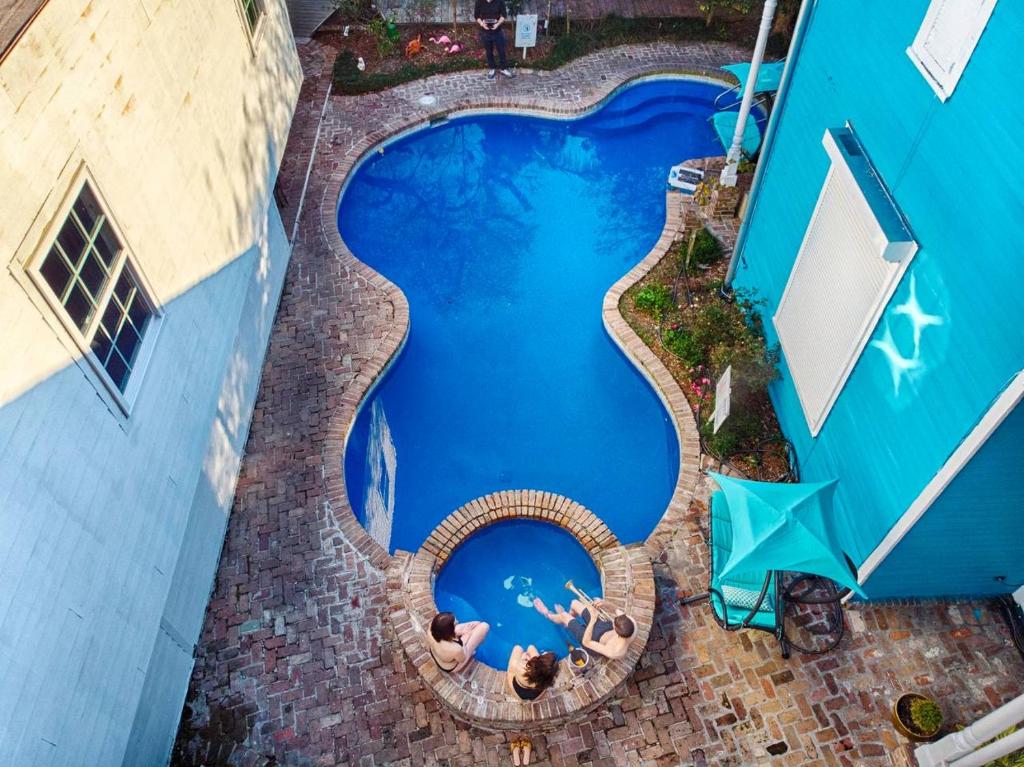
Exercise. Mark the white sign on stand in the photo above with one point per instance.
(723, 394)
(526, 31)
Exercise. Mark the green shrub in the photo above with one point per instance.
(346, 70)
(742, 430)
(926, 715)
(379, 29)
(706, 250)
(730, 334)
(684, 345)
(654, 299)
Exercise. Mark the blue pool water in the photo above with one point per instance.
(505, 232)
(495, 575)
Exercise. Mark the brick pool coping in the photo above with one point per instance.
(479, 696)
(342, 420)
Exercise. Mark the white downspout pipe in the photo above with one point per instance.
(769, 138)
(732, 159)
(961, 749)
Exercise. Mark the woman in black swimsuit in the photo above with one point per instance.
(530, 672)
(452, 644)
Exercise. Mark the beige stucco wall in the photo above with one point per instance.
(110, 526)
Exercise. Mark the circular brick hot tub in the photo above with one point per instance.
(478, 695)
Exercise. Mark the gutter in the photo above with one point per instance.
(769, 139)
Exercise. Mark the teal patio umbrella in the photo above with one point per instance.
(778, 526)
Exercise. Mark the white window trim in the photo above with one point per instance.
(965, 451)
(900, 252)
(942, 82)
(25, 268)
(253, 36)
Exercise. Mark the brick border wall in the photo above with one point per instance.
(647, 362)
(661, 380)
(593, 534)
(478, 696)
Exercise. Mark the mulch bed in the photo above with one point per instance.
(703, 288)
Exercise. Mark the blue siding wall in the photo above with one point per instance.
(955, 169)
(972, 534)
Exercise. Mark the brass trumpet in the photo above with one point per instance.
(588, 601)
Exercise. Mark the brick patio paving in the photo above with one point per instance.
(297, 664)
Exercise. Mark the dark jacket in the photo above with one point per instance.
(495, 9)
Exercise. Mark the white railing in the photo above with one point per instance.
(966, 748)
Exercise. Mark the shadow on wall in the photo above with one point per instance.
(110, 528)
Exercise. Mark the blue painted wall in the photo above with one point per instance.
(955, 169)
(956, 542)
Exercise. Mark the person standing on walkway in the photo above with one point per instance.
(490, 15)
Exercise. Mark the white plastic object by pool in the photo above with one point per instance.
(684, 178)
(428, 100)
(723, 398)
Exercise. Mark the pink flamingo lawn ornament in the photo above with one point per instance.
(453, 49)
(442, 40)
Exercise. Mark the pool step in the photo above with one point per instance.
(638, 118)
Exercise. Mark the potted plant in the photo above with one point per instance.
(917, 716)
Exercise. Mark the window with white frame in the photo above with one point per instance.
(253, 11)
(855, 249)
(946, 40)
(88, 273)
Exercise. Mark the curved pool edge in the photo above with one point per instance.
(478, 696)
(659, 377)
(342, 421)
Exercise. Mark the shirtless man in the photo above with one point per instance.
(608, 638)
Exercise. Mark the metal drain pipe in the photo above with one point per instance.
(769, 136)
(732, 158)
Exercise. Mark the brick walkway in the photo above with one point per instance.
(296, 664)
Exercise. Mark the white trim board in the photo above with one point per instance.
(972, 443)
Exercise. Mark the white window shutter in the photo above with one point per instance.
(854, 252)
(946, 40)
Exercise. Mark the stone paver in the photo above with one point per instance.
(297, 664)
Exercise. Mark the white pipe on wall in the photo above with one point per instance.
(732, 159)
(960, 749)
(770, 132)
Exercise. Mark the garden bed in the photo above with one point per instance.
(388, 61)
(681, 315)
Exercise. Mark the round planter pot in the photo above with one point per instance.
(901, 718)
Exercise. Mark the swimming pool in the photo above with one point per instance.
(496, 574)
(505, 232)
